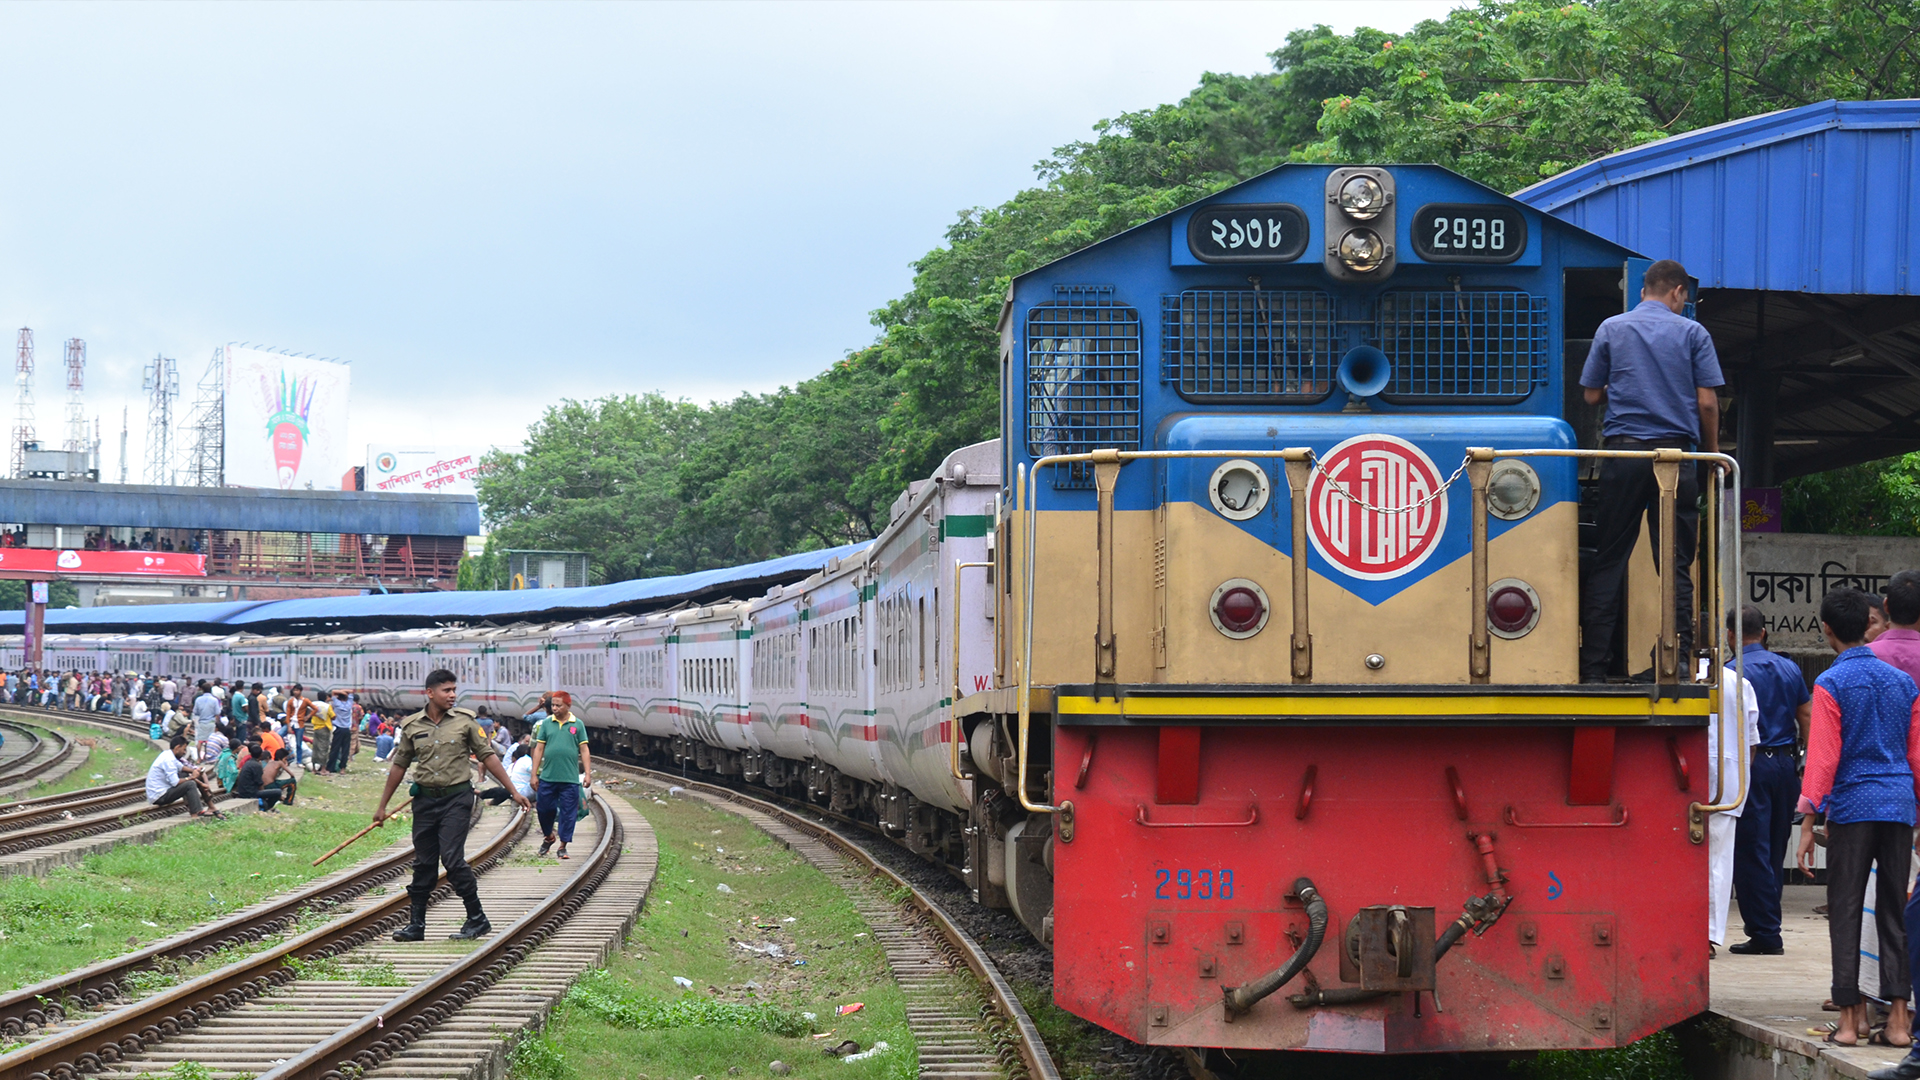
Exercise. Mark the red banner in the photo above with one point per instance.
(82, 562)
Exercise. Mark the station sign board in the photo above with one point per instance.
(431, 471)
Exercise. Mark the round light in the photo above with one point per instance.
(1238, 608)
(1362, 250)
(1363, 198)
(1513, 489)
(1513, 608)
(1239, 489)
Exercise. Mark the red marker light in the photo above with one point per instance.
(1510, 610)
(1240, 609)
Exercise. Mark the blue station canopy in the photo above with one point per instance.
(403, 610)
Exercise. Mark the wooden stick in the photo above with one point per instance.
(395, 812)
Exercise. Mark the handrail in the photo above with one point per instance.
(1027, 545)
(953, 707)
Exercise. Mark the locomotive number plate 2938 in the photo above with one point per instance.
(1468, 232)
(1206, 883)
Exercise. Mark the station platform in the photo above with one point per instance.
(1770, 1002)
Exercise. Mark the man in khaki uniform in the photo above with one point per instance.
(437, 741)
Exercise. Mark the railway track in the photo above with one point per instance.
(41, 755)
(959, 1037)
(314, 1001)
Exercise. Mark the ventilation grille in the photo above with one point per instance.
(1249, 345)
(1479, 346)
(1083, 378)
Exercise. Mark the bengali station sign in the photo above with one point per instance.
(1788, 573)
(424, 471)
(83, 563)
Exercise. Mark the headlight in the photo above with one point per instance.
(1362, 250)
(1239, 489)
(1513, 490)
(1362, 198)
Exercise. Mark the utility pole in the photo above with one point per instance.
(123, 444)
(23, 419)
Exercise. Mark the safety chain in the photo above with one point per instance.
(1365, 505)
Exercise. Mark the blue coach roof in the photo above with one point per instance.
(56, 502)
(268, 616)
(1819, 199)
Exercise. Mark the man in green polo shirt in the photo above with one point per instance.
(561, 764)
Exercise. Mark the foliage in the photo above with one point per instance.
(538, 1057)
(1877, 498)
(60, 594)
(487, 570)
(1507, 93)
(605, 999)
(1656, 1057)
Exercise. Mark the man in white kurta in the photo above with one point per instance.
(1730, 762)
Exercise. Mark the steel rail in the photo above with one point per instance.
(372, 1040)
(85, 800)
(101, 983)
(10, 775)
(1032, 1050)
(18, 805)
(93, 1045)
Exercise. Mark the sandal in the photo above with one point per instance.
(563, 851)
(1830, 1039)
(1878, 1037)
(546, 845)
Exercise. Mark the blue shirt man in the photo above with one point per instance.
(1761, 833)
(1658, 374)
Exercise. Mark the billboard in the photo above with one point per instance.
(286, 423)
(80, 562)
(429, 471)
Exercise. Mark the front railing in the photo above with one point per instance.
(1722, 563)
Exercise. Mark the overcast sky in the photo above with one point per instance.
(486, 208)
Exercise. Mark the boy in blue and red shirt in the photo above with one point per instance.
(1863, 755)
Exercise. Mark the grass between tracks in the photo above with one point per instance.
(109, 758)
(136, 894)
(745, 1009)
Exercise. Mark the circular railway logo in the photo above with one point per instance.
(1391, 475)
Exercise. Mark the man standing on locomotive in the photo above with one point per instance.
(440, 738)
(1766, 827)
(1658, 374)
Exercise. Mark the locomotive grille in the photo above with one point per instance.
(1083, 378)
(1249, 345)
(1479, 346)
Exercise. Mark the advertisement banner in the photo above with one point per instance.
(286, 423)
(431, 471)
(82, 562)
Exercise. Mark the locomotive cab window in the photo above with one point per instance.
(1083, 377)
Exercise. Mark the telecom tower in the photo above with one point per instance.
(160, 378)
(207, 462)
(123, 444)
(23, 420)
(76, 409)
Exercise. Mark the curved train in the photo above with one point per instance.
(1242, 666)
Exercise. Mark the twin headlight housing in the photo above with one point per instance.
(1360, 224)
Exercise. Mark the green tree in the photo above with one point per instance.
(1876, 498)
(1507, 92)
(60, 594)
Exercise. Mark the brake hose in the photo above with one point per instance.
(1239, 999)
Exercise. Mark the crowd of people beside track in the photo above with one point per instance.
(1856, 796)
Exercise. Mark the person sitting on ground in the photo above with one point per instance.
(226, 768)
(382, 740)
(168, 783)
(520, 771)
(1863, 773)
(262, 778)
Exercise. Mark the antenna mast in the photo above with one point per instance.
(161, 380)
(76, 409)
(23, 420)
